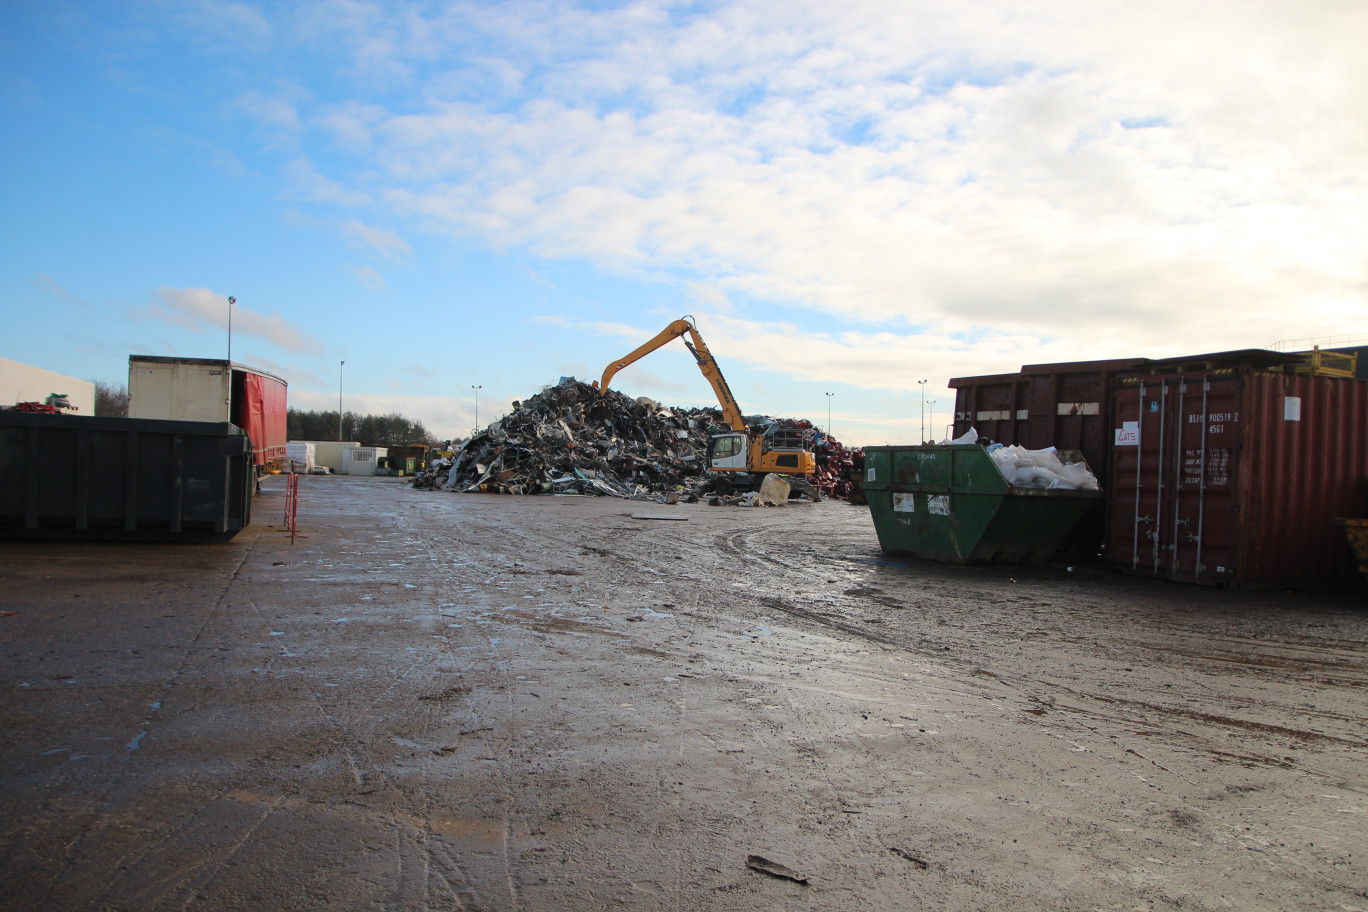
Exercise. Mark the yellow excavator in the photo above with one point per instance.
(746, 455)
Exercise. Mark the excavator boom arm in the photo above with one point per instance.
(731, 412)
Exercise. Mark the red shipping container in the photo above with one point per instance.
(1064, 405)
(994, 405)
(1061, 405)
(1234, 475)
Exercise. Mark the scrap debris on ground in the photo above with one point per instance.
(570, 439)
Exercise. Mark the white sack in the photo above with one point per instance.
(774, 491)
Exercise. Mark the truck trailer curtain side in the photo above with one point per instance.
(209, 389)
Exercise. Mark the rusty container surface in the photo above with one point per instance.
(1060, 405)
(1356, 531)
(1065, 405)
(1235, 476)
(994, 405)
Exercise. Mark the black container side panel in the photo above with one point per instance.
(122, 476)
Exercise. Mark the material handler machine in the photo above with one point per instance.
(747, 454)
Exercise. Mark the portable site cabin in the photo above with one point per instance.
(363, 460)
(331, 454)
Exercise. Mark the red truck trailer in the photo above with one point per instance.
(209, 389)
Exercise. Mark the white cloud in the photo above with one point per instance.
(538, 278)
(710, 296)
(199, 308)
(351, 123)
(368, 276)
(270, 110)
(52, 287)
(974, 184)
(384, 241)
(305, 182)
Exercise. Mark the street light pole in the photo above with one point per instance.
(477, 389)
(922, 384)
(932, 414)
(339, 400)
(231, 301)
(829, 395)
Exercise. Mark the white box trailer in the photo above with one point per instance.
(210, 389)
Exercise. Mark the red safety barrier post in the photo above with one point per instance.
(292, 504)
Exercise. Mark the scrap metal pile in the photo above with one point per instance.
(569, 439)
(838, 468)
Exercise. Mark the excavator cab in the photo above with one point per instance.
(728, 452)
(744, 455)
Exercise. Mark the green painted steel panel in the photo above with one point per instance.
(951, 503)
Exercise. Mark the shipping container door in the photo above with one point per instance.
(151, 390)
(1139, 472)
(1174, 459)
(1202, 538)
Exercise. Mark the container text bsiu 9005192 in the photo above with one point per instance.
(1235, 475)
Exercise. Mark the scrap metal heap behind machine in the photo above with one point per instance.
(568, 439)
(751, 450)
(578, 438)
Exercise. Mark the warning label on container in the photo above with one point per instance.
(1217, 468)
(904, 503)
(939, 505)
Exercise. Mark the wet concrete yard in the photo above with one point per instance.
(438, 701)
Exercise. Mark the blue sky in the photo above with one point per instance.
(849, 197)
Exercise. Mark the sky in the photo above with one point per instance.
(465, 202)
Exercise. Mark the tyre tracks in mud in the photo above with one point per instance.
(498, 554)
(420, 765)
(952, 633)
(105, 814)
(1246, 663)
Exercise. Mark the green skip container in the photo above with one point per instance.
(951, 503)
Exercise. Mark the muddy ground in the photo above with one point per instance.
(440, 701)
